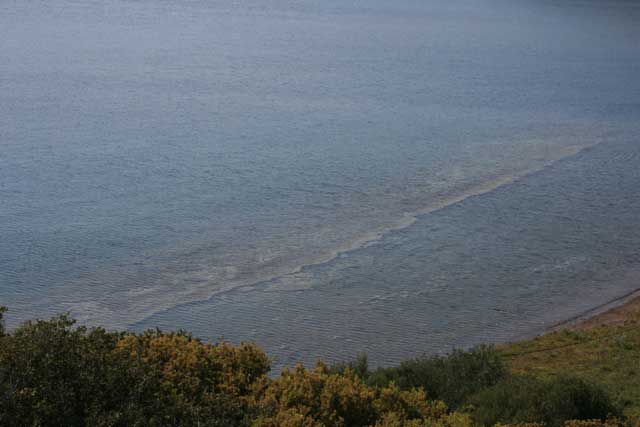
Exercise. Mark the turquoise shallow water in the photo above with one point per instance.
(285, 171)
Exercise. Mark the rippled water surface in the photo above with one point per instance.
(322, 177)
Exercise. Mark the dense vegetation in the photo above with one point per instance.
(609, 355)
(53, 373)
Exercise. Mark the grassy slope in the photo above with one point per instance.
(608, 354)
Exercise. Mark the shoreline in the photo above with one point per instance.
(612, 313)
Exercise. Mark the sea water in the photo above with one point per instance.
(321, 177)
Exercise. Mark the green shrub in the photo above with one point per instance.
(55, 374)
(2, 311)
(524, 400)
(452, 378)
(359, 367)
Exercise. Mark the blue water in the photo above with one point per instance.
(321, 177)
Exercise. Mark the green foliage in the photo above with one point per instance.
(450, 378)
(607, 355)
(359, 366)
(320, 397)
(47, 369)
(54, 373)
(3, 310)
(454, 419)
(609, 422)
(522, 399)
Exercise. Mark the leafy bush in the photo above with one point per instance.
(525, 400)
(454, 419)
(609, 422)
(54, 373)
(452, 378)
(2, 311)
(359, 367)
(304, 397)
